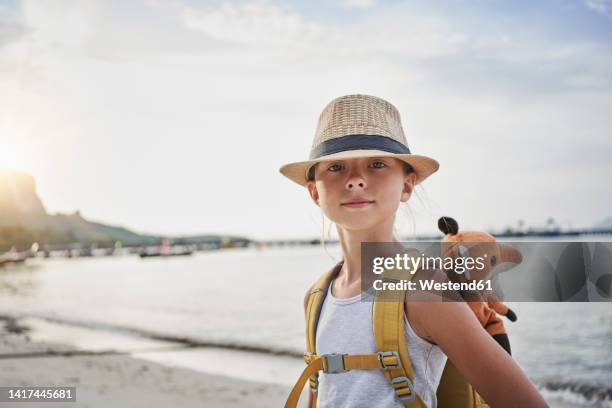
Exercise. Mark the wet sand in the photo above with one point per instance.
(119, 380)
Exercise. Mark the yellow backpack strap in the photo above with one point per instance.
(313, 311)
(388, 325)
(391, 357)
(328, 363)
(455, 392)
(335, 364)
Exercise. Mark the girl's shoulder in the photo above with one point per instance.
(422, 307)
(323, 280)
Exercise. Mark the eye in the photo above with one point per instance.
(335, 167)
(378, 164)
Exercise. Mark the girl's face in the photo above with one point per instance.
(362, 192)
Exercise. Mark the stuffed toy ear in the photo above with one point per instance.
(509, 254)
(448, 226)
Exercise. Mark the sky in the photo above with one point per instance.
(173, 117)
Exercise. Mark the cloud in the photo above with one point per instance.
(173, 86)
(600, 6)
(481, 58)
(100, 29)
(265, 25)
(250, 23)
(11, 28)
(359, 4)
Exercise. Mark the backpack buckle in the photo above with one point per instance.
(308, 357)
(403, 389)
(333, 363)
(384, 360)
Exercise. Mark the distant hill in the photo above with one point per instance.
(24, 219)
(18, 196)
(84, 231)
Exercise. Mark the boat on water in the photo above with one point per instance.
(149, 254)
(12, 258)
(17, 257)
(165, 250)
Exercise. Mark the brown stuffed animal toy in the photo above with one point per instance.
(480, 244)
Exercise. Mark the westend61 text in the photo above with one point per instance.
(430, 285)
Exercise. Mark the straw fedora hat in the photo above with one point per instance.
(359, 126)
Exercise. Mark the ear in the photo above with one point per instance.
(409, 181)
(312, 190)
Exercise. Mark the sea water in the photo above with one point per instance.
(245, 308)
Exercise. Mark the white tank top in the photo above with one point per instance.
(345, 326)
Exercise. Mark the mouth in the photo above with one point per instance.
(358, 203)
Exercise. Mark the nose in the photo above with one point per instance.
(355, 180)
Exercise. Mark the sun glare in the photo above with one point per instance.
(12, 156)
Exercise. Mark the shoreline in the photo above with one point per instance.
(121, 380)
(145, 372)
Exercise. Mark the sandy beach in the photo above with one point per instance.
(122, 381)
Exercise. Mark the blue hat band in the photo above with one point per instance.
(358, 142)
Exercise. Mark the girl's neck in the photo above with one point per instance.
(350, 241)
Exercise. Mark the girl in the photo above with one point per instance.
(360, 170)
